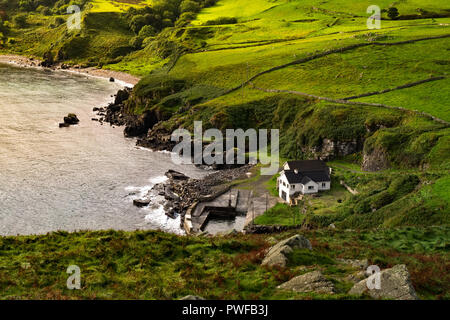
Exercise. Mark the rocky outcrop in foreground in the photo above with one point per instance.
(191, 297)
(309, 282)
(395, 284)
(277, 254)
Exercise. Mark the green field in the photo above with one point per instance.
(117, 6)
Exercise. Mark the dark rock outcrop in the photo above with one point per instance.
(375, 160)
(331, 149)
(71, 119)
(158, 139)
(140, 125)
(175, 175)
(141, 202)
(122, 96)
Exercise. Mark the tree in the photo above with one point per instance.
(167, 23)
(147, 31)
(153, 20)
(185, 19)
(20, 20)
(137, 23)
(136, 42)
(392, 13)
(189, 6)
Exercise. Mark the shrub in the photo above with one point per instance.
(185, 19)
(307, 257)
(381, 199)
(147, 41)
(362, 207)
(26, 5)
(393, 13)
(136, 42)
(189, 6)
(167, 23)
(59, 21)
(137, 23)
(221, 20)
(20, 21)
(44, 10)
(404, 185)
(147, 31)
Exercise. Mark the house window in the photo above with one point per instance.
(311, 188)
(292, 187)
(324, 184)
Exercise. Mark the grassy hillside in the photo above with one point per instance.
(117, 6)
(155, 265)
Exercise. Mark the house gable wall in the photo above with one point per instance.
(324, 185)
(314, 187)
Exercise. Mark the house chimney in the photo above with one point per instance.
(296, 171)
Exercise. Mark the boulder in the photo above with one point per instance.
(192, 297)
(357, 264)
(71, 119)
(277, 253)
(278, 257)
(356, 277)
(309, 282)
(141, 202)
(175, 175)
(122, 96)
(395, 284)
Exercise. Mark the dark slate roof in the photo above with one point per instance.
(304, 171)
(305, 180)
(305, 177)
(318, 176)
(307, 165)
(293, 177)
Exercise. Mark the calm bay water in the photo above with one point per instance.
(80, 178)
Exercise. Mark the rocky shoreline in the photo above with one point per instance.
(179, 191)
(24, 62)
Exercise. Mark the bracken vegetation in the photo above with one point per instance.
(290, 65)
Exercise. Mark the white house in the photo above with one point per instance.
(303, 177)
